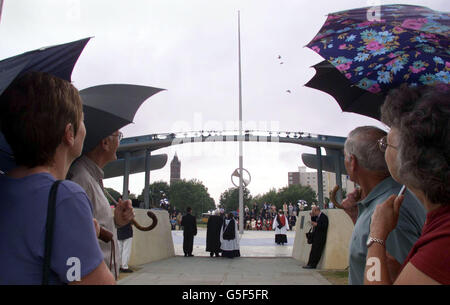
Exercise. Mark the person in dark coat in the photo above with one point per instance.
(189, 224)
(215, 223)
(319, 239)
(292, 222)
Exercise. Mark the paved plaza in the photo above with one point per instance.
(262, 262)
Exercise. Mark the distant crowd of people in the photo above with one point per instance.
(263, 219)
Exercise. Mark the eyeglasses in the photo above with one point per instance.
(120, 135)
(383, 144)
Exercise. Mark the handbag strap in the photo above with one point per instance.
(49, 226)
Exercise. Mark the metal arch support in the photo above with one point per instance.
(147, 179)
(126, 176)
(338, 168)
(319, 177)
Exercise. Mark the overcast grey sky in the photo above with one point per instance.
(189, 47)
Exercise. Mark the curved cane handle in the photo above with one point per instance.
(134, 222)
(333, 197)
(150, 227)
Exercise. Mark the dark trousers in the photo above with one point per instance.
(316, 252)
(188, 243)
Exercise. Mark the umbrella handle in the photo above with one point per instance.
(333, 197)
(150, 227)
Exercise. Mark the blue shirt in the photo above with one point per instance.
(23, 204)
(399, 242)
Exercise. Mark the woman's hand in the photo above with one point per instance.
(385, 217)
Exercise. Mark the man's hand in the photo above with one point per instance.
(123, 213)
(313, 223)
(350, 204)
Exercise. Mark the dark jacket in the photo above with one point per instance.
(320, 231)
(125, 232)
(189, 224)
(213, 233)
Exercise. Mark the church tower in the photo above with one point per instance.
(175, 167)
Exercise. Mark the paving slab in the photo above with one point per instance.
(262, 262)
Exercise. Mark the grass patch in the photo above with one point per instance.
(336, 277)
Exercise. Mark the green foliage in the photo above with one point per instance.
(289, 194)
(156, 189)
(191, 193)
(113, 193)
(182, 194)
(229, 199)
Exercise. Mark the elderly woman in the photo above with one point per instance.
(417, 151)
(42, 120)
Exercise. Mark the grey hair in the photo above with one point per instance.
(421, 116)
(362, 143)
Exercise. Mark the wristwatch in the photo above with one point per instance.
(372, 240)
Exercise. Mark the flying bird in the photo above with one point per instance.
(279, 56)
(288, 91)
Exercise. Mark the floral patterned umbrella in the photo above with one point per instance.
(405, 44)
(349, 97)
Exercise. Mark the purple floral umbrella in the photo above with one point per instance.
(405, 44)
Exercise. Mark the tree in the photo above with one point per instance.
(156, 190)
(115, 194)
(229, 199)
(190, 193)
(296, 192)
(289, 194)
(271, 197)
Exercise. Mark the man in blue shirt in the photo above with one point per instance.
(366, 166)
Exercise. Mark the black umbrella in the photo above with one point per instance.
(349, 97)
(57, 60)
(108, 108)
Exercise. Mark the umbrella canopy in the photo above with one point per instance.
(349, 97)
(405, 44)
(110, 107)
(57, 60)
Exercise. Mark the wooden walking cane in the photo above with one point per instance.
(133, 221)
(333, 197)
(107, 236)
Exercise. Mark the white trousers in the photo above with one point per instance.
(125, 250)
